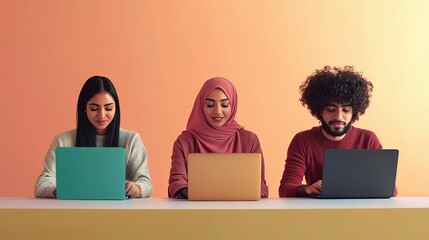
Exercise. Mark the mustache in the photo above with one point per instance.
(333, 122)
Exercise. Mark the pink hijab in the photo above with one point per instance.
(208, 138)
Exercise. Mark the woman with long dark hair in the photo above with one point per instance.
(98, 125)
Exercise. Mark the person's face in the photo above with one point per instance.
(336, 119)
(100, 110)
(217, 108)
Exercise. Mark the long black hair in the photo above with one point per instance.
(86, 132)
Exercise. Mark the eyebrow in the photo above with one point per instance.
(334, 105)
(212, 100)
(94, 104)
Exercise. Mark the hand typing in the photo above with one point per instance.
(132, 190)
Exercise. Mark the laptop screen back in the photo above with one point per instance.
(364, 173)
(224, 176)
(90, 173)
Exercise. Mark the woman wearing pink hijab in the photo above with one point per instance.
(211, 129)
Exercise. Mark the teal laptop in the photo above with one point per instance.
(90, 173)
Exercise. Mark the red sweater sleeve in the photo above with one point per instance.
(179, 165)
(294, 171)
(256, 148)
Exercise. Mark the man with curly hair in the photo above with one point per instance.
(336, 97)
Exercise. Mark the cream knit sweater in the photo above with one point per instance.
(136, 159)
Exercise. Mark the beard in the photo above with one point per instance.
(336, 132)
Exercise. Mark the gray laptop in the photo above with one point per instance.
(363, 173)
(90, 173)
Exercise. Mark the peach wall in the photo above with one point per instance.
(159, 53)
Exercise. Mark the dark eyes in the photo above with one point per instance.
(224, 105)
(333, 109)
(96, 109)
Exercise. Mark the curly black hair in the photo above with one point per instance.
(340, 85)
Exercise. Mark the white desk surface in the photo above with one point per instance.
(173, 204)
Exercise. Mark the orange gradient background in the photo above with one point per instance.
(159, 53)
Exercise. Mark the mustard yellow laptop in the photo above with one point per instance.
(224, 176)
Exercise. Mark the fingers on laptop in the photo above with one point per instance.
(132, 190)
(314, 188)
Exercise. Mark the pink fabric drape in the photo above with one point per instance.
(208, 138)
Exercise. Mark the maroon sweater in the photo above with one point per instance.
(185, 144)
(306, 152)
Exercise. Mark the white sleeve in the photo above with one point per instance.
(46, 182)
(137, 169)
